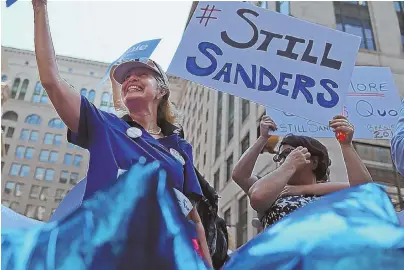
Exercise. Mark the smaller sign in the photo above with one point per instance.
(372, 105)
(142, 49)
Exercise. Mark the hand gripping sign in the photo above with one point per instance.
(268, 58)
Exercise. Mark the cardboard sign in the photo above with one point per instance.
(372, 106)
(268, 58)
(142, 49)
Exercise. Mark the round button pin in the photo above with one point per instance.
(134, 132)
(177, 156)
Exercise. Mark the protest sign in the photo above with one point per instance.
(372, 106)
(373, 103)
(142, 49)
(267, 57)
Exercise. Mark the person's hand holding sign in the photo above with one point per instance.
(266, 125)
(343, 129)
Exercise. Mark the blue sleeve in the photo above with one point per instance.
(92, 122)
(397, 143)
(192, 188)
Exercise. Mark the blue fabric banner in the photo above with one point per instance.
(356, 228)
(136, 223)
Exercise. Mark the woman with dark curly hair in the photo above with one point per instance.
(302, 172)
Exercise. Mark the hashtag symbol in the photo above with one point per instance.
(206, 17)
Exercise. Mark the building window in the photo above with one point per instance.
(57, 140)
(48, 138)
(9, 188)
(18, 189)
(5, 203)
(10, 115)
(229, 167)
(43, 196)
(49, 174)
(24, 170)
(56, 123)
(34, 136)
(14, 169)
(53, 157)
(24, 134)
(227, 217)
(39, 173)
(6, 147)
(29, 152)
(34, 193)
(44, 156)
(230, 127)
(10, 132)
(283, 7)
(91, 96)
(74, 178)
(14, 88)
(64, 175)
(59, 195)
(219, 124)
(242, 236)
(353, 17)
(204, 159)
(37, 92)
(33, 119)
(44, 98)
(23, 90)
(14, 206)
(245, 109)
(68, 160)
(399, 6)
(83, 92)
(77, 160)
(19, 152)
(216, 180)
(40, 212)
(104, 101)
(30, 211)
(262, 4)
(2, 166)
(245, 143)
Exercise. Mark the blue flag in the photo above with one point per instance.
(134, 223)
(142, 49)
(10, 2)
(353, 229)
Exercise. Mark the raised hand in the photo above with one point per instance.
(298, 158)
(266, 125)
(340, 124)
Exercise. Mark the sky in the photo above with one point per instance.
(99, 30)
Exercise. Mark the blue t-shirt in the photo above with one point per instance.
(111, 149)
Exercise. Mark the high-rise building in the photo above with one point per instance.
(221, 127)
(39, 166)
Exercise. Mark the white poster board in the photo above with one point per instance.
(268, 58)
(372, 106)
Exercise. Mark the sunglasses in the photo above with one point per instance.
(283, 155)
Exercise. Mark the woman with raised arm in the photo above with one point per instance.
(147, 132)
(303, 165)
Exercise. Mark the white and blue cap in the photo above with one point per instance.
(121, 70)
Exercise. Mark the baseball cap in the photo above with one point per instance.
(121, 70)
